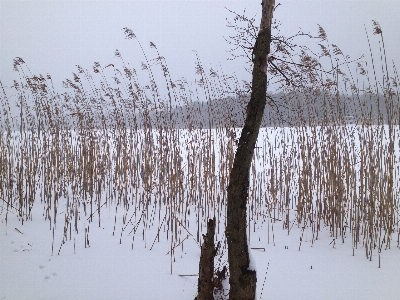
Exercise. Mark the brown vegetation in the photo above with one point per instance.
(55, 154)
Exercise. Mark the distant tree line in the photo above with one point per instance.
(282, 110)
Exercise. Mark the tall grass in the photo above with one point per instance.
(142, 147)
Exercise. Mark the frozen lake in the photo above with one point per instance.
(119, 214)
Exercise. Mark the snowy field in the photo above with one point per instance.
(122, 218)
(109, 270)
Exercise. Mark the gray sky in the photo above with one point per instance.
(54, 36)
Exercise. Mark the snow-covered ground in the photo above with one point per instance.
(130, 257)
(110, 270)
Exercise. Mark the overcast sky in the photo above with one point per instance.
(54, 36)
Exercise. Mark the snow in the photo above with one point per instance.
(125, 260)
(109, 270)
(252, 261)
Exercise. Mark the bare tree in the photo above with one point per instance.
(242, 278)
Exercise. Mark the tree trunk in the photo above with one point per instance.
(205, 287)
(242, 280)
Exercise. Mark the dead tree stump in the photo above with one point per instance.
(205, 287)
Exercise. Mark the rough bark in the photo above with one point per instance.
(205, 287)
(242, 280)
